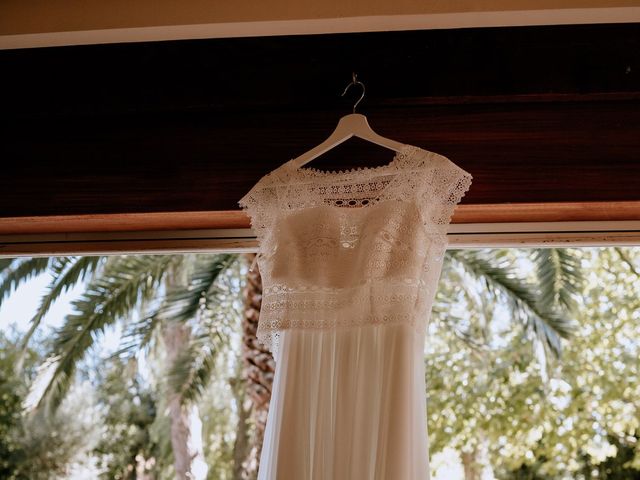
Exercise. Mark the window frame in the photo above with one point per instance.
(472, 226)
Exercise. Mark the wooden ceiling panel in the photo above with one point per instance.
(536, 114)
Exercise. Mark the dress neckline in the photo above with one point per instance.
(351, 172)
(394, 167)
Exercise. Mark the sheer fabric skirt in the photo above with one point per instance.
(348, 404)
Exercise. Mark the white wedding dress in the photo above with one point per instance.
(350, 262)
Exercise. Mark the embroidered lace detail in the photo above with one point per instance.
(260, 205)
(359, 187)
(357, 171)
(353, 247)
(382, 298)
(441, 193)
(270, 337)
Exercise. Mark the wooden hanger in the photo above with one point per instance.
(353, 124)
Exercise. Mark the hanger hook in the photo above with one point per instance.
(355, 82)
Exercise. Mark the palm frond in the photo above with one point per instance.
(182, 302)
(500, 276)
(137, 335)
(113, 294)
(192, 369)
(19, 271)
(560, 276)
(5, 263)
(464, 328)
(627, 260)
(66, 271)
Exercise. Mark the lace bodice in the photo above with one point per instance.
(352, 247)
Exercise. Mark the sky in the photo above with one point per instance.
(21, 305)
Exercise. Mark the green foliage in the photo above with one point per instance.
(127, 447)
(491, 381)
(56, 444)
(225, 408)
(544, 420)
(66, 272)
(123, 284)
(497, 271)
(176, 288)
(618, 467)
(184, 301)
(194, 301)
(34, 447)
(11, 396)
(560, 277)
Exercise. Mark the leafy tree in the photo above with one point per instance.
(11, 397)
(169, 290)
(127, 449)
(32, 446)
(540, 417)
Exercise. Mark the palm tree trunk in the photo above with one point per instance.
(176, 338)
(187, 451)
(242, 444)
(259, 366)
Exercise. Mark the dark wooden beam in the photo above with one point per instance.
(536, 114)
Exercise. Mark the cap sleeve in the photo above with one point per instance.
(444, 186)
(260, 204)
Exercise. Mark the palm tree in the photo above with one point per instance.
(179, 299)
(259, 366)
(543, 303)
(173, 290)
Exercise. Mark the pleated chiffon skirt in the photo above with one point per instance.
(348, 404)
